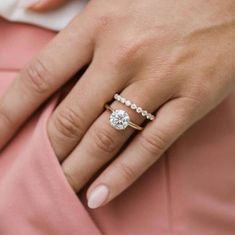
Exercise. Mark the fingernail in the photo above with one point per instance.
(28, 3)
(98, 196)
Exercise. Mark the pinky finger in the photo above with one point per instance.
(172, 120)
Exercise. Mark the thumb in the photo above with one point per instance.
(42, 5)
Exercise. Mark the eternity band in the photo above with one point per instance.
(134, 107)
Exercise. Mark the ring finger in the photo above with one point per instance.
(102, 142)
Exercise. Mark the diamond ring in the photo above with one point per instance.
(120, 120)
(134, 107)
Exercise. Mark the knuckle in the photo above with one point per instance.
(199, 86)
(154, 143)
(195, 101)
(69, 123)
(127, 172)
(196, 95)
(37, 76)
(128, 51)
(104, 21)
(199, 91)
(105, 141)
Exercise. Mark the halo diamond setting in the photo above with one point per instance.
(119, 119)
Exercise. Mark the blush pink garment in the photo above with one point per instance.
(190, 191)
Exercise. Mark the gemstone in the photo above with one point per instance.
(133, 106)
(123, 100)
(116, 96)
(119, 119)
(152, 118)
(149, 116)
(139, 110)
(144, 113)
(128, 103)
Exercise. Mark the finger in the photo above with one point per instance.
(58, 62)
(102, 142)
(172, 120)
(42, 5)
(82, 106)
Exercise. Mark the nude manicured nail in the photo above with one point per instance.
(98, 196)
(28, 3)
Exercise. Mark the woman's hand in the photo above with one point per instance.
(173, 58)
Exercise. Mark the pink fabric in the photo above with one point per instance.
(190, 191)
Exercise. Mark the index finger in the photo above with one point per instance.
(68, 52)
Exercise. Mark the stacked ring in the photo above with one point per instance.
(134, 107)
(120, 120)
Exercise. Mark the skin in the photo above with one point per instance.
(176, 60)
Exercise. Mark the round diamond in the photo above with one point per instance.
(133, 106)
(139, 110)
(128, 103)
(144, 113)
(149, 116)
(123, 100)
(116, 96)
(119, 119)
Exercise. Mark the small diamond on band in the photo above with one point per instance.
(144, 113)
(150, 117)
(134, 107)
(123, 100)
(128, 103)
(139, 110)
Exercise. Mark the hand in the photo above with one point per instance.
(174, 59)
